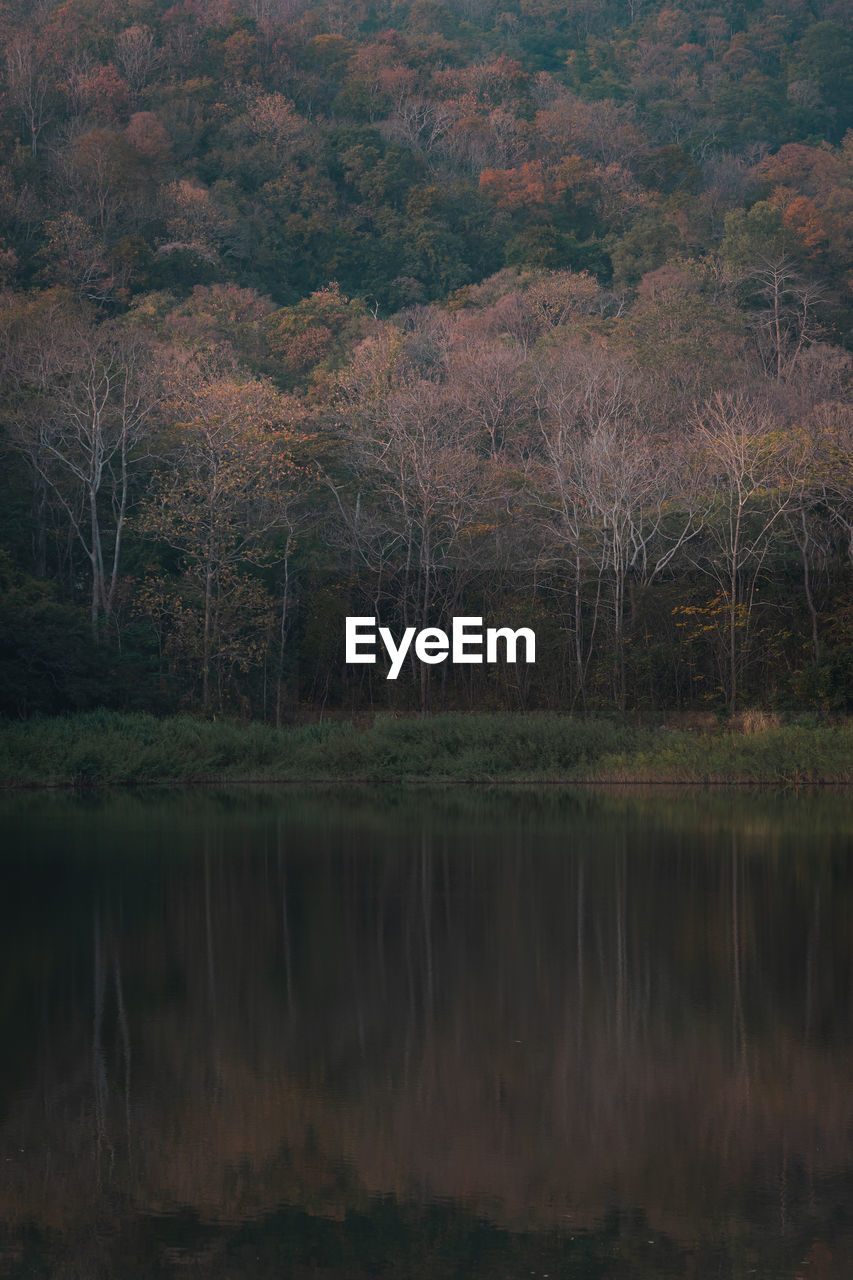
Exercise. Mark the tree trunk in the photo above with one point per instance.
(205, 661)
(579, 637)
(282, 634)
(96, 561)
(120, 518)
(807, 587)
(732, 644)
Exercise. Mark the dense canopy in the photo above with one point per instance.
(533, 311)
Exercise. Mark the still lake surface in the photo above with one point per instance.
(426, 1034)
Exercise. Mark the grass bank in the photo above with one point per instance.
(110, 748)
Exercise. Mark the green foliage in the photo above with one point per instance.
(105, 747)
(48, 662)
(823, 57)
(649, 243)
(315, 334)
(756, 236)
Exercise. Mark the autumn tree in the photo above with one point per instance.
(823, 511)
(419, 484)
(610, 494)
(314, 333)
(137, 55)
(29, 86)
(226, 492)
(752, 471)
(486, 383)
(82, 402)
(787, 322)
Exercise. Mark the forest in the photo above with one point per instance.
(531, 311)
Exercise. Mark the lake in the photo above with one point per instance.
(426, 1033)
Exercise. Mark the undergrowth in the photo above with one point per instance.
(113, 748)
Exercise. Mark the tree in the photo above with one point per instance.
(315, 332)
(230, 486)
(274, 121)
(95, 166)
(753, 472)
(609, 491)
(79, 261)
(485, 380)
(786, 324)
(29, 87)
(419, 484)
(137, 55)
(82, 401)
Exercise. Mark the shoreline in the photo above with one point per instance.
(93, 750)
(200, 784)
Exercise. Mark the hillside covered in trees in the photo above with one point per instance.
(414, 308)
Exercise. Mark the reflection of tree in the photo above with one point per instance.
(107, 965)
(536, 1014)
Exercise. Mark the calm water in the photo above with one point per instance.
(426, 1034)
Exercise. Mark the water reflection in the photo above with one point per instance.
(427, 1033)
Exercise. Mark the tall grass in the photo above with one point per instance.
(107, 747)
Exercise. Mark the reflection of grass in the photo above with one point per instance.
(109, 747)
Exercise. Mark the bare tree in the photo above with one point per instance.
(612, 493)
(420, 479)
(787, 324)
(830, 482)
(274, 120)
(83, 399)
(754, 473)
(420, 122)
(29, 87)
(137, 55)
(486, 382)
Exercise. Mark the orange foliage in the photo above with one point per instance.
(810, 170)
(516, 188)
(803, 217)
(103, 92)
